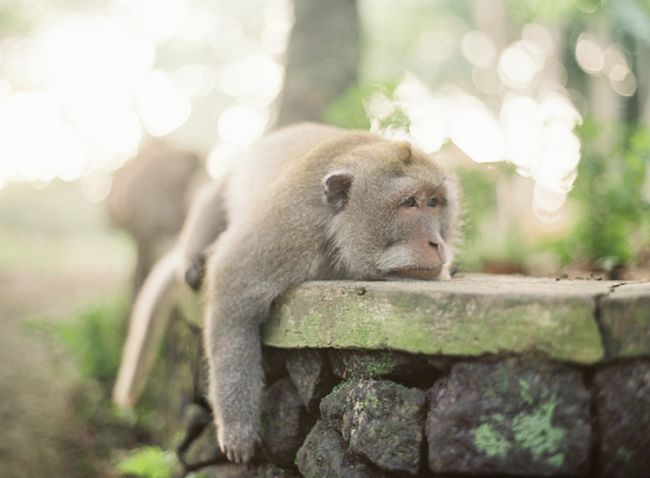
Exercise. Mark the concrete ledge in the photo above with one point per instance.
(576, 321)
(580, 321)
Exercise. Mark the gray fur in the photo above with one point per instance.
(284, 227)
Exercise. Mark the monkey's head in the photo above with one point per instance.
(395, 213)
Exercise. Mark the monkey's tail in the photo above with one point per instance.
(149, 319)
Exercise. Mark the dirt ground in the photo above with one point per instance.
(40, 435)
(57, 253)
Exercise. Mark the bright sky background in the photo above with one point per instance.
(79, 94)
(82, 90)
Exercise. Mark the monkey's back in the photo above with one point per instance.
(256, 171)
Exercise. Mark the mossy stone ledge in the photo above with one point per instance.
(471, 315)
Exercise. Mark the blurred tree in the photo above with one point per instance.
(323, 57)
(612, 195)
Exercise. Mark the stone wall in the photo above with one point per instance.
(480, 376)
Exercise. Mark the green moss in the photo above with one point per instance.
(370, 400)
(524, 393)
(556, 460)
(378, 365)
(624, 453)
(535, 432)
(498, 418)
(490, 441)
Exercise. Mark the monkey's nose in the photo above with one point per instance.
(438, 248)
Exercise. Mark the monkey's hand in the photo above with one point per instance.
(238, 441)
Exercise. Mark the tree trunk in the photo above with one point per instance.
(323, 55)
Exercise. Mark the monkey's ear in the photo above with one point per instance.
(337, 189)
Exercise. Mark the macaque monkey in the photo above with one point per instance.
(149, 199)
(307, 202)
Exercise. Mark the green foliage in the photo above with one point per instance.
(149, 462)
(13, 18)
(631, 18)
(478, 203)
(614, 212)
(559, 10)
(348, 110)
(95, 337)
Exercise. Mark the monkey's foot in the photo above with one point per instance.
(195, 272)
(238, 442)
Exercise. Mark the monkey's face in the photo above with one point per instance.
(395, 221)
(414, 237)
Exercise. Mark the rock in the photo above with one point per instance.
(231, 470)
(311, 374)
(199, 442)
(401, 367)
(381, 420)
(285, 422)
(504, 417)
(273, 363)
(324, 455)
(272, 471)
(625, 320)
(623, 407)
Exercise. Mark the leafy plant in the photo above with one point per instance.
(348, 110)
(614, 208)
(149, 462)
(94, 337)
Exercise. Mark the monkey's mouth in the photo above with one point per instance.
(421, 273)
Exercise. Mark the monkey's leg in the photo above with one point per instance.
(206, 220)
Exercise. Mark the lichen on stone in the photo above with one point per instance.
(490, 441)
(535, 432)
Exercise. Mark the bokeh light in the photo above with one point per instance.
(478, 48)
(536, 135)
(92, 83)
(241, 125)
(257, 78)
(589, 54)
(161, 105)
(520, 62)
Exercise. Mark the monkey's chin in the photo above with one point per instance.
(417, 273)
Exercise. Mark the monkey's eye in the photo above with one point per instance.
(433, 202)
(410, 202)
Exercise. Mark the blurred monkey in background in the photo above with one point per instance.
(149, 199)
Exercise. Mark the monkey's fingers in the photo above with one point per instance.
(238, 445)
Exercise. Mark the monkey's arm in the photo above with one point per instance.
(247, 271)
(206, 220)
(232, 344)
